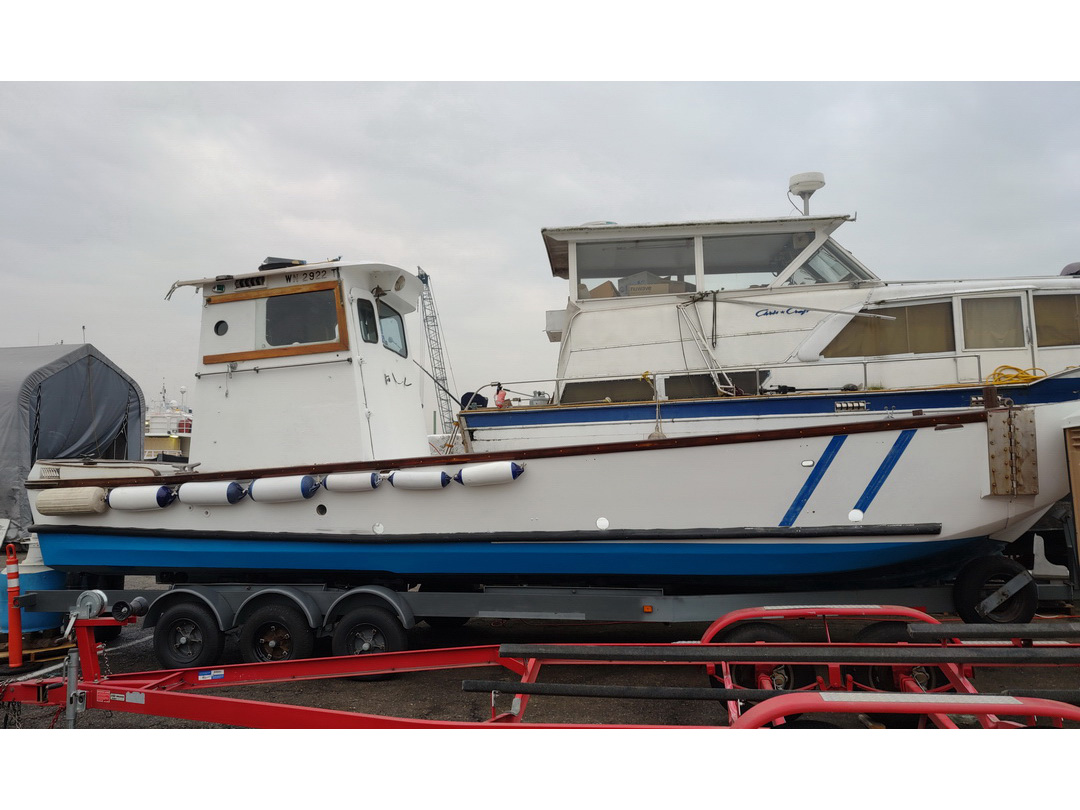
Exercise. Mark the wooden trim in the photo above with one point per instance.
(342, 344)
(875, 426)
(263, 292)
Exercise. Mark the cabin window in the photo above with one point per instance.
(393, 329)
(993, 323)
(275, 322)
(690, 386)
(635, 390)
(309, 317)
(1057, 320)
(635, 267)
(827, 267)
(365, 311)
(741, 262)
(916, 329)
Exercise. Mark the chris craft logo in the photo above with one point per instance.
(761, 313)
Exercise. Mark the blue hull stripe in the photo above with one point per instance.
(77, 551)
(820, 468)
(872, 489)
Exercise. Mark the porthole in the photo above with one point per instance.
(220, 328)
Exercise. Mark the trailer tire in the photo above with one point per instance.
(745, 675)
(276, 631)
(980, 578)
(368, 630)
(884, 678)
(187, 635)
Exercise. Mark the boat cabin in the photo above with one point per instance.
(703, 309)
(329, 341)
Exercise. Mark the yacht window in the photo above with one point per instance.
(309, 317)
(690, 386)
(635, 267)
(1057, 320)
(740, 262)
(366, 315)
(916, 329)
(992, 323)
(635, 390)
(393, 329)
(827, 267)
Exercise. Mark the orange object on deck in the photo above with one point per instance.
(14, 614)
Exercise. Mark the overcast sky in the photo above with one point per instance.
(110, 192)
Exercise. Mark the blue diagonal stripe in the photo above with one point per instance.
(897, 450)
(816, 475)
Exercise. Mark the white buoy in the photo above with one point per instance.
(494, 472)
(283, 490)
(419, 479)
(72, 501)
(141, 498)
(352, 482)
(210, 493)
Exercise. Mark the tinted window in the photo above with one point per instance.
(309, 317)
(921, 329)
(393, 330)
(366, 312)
(992, 323)
(635, 267)
(1057, 320)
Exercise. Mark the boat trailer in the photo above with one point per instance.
(750, 660)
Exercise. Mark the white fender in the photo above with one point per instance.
(210, 493)
(282, 490)
(419, 479)
(352, 482)
(141, 498)
(494, 472)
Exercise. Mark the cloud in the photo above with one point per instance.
(110, 192)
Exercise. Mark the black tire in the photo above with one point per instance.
(887, 678)
(980, 578)
(276, 631)
(368, 630)
(784, 676)
(187, 635)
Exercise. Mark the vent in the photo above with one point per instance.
(850, 405)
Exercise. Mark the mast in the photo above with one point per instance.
(435, 352)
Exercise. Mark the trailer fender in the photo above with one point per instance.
(312, 613)
(214, 601)
(375, 595)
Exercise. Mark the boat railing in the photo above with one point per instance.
(772, 379)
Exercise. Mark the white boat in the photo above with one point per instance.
(167, 432)
(691, 328)
(353, 495)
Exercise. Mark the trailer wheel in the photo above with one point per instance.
(369, 630)
(980, 578)
(887, 678)
(746, 676)
(276, 631)
(187, 635)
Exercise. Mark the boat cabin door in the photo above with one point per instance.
(390, 382)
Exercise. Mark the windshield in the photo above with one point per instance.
(827, 267)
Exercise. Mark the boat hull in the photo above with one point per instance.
(885, 501)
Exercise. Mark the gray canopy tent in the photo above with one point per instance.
(62, 401)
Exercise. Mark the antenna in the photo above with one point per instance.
(804, 185)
